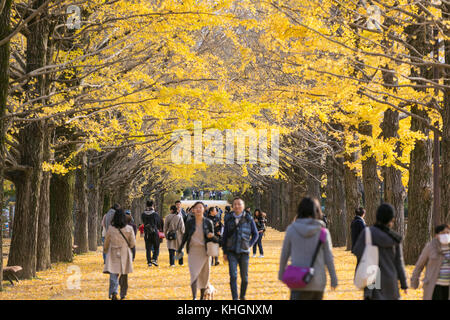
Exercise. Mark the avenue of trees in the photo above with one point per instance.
(359, 91)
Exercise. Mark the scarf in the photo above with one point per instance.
(394, 235)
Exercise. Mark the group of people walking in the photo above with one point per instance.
(213, 195)
(200, 230)
(307, 245)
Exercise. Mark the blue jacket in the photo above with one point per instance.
(239, 238)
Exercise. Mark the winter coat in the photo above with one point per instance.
(119, 258)
(174, 222)
(151, 218)
(431, 257)
(390, 261)
(239, 238)
(217, 224)
(356, 227)
(260, 223)
(300, 242)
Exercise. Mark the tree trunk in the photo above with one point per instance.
(394, 192)
(313, 183)
(335, 201)
(93, 196)
(256, 197)
(352, 196)
(30, 140)
(445, 142)
(5, 29)
(275, 205)
(28, 186)
(370, 178)
(43, 246)
(81, 206)
(420, 197)
(61, 218)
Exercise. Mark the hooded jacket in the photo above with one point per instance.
(300, 242)
(151, 217)
(390, 261)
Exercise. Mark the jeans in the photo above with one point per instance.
(306, 295)
(259, 244)
(152, 247)
(234, 260)
(115, 281)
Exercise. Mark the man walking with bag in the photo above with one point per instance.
(239, 235)
(152, 226)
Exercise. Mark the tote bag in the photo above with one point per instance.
(212, 249)
(368, 269)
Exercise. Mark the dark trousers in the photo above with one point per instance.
(172, 253)
(440, 292)
(152, 248)
(259, 244)
(306, 295)
(235, 259)
(133, 251)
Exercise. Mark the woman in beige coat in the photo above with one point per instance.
(119, 240)
(174, 225)
(436, 257)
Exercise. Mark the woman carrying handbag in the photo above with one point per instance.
(308, 244)
(119, 240)
(174, 230)
(199, 233)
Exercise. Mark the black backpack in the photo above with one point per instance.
(150, 226)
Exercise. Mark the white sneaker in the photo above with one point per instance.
(254, 256)
(261, 256)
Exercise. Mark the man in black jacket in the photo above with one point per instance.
(358, 224)
(152, 225)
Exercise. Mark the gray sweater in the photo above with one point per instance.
(299, 244)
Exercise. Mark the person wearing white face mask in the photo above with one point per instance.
(436, 257)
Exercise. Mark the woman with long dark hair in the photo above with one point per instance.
(261, 226)
(119, 240)
(199, 231)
